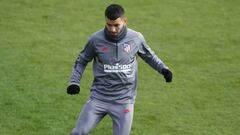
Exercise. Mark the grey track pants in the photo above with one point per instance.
(94, 111)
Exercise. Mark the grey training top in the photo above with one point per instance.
(115, 65)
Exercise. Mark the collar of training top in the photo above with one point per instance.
(117, 38)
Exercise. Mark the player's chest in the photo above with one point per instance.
(110, 52)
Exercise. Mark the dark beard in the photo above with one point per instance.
(115, 38)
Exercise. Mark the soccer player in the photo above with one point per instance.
(113, 50)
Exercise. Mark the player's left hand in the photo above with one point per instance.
(167, 74)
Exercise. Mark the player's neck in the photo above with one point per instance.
(116, 38)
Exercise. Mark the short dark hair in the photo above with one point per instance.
(114, 11)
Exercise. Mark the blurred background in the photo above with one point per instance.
(198, 40)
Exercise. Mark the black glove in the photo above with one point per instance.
(167, 74)
(73, 89)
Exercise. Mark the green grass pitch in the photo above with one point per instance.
(198, 40)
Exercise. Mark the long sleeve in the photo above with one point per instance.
(149, 56)
(84, 57)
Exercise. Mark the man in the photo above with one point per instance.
(113, 50)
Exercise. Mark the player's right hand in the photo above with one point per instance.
(73, 89)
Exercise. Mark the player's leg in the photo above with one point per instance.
(122, 116)
(89, 117)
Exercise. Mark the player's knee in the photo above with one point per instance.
(79, 133)
(74, 133)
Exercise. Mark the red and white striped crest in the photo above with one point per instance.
(127, 47)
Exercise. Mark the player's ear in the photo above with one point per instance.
(125, 20)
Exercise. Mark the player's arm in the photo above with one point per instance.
(151, 58)
(84, 57)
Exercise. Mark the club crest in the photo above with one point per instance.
(127, 47)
